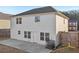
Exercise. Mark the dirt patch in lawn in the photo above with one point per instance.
(66, 50)
(8, 49)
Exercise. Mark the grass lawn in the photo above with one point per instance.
(66, 50)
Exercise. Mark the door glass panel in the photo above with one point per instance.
(25, 34)
(29, 35)
(41, 36)
(47, 37)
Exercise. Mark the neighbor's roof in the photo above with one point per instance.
(41, 10)
(4, 16)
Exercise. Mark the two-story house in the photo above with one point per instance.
(38, 25)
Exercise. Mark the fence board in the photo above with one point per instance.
(69, 37)
(4, 33)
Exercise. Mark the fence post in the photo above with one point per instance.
(78, 39)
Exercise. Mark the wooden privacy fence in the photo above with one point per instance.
(4, 33)
(69, 37)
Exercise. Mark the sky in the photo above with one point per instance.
(18, 9)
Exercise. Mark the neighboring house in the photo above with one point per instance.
(4, 25)
(38, 25)
(73, 25)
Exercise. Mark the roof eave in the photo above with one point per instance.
(60, 14)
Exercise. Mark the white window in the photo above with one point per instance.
(74, 23)
(18, 20)
(70, 28)
(27, 34)
(70, 23)
(47, 38)
(37, 18)
(19, 32)
(74, 28)
(44, 36)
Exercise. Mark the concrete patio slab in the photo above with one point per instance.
(31, 47)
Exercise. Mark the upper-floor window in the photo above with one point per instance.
(64, 21)
(18, 20)
(37, 18)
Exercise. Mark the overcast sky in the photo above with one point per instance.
(19, 9)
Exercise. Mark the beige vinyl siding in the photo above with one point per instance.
(4, 24)
(61, 24)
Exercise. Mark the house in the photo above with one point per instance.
(39, 25)
(73, 25)
(4, 25)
